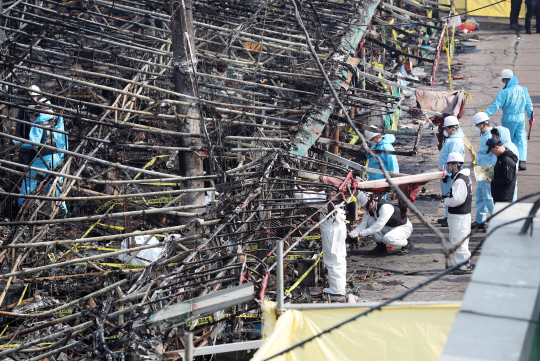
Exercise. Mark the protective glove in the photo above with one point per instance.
(444, 196)
(16, 142)
(354, 234)
(442, 168)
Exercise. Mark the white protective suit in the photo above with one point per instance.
(392, 236)
(459, 225)
(333, 234)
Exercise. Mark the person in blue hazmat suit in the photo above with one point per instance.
(503, 134)
(514, 100)
(483, 199)
(389, 160)
(453, 144)
(50, 158)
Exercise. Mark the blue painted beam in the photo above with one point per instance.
(309, 132)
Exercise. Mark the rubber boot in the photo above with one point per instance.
(379, 249)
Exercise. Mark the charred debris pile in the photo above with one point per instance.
(192, 128)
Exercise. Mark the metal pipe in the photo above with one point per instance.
(279, 274)
(188, 340)
(383, 183)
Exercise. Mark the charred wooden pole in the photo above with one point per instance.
(184, 61)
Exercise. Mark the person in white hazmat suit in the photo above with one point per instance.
(385, 223)
(459, 203)
(333, 235)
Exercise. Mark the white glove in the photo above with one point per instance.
(16, 142)
(355, 233)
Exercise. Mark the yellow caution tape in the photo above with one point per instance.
(150, 201)
(111, 227)
(22, 296)
(119, 265)
(309, 238)
(151, 163)
(288, 292)
(17, 345)
(469, 146)
(210, 319)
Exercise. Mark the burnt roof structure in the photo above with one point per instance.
(278, 84)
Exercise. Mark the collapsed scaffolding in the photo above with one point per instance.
(186, 155)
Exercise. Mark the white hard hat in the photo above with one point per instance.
(480, 118)
(370, 135)
(450, 121)
(362, 198)
(33, 90)
(506, 74)
(455, 157)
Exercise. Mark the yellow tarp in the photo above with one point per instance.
(404, 333)
(501, 10)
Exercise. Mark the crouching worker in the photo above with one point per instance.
(48, 157)
(333, 235)
(459, 211)
(387, 224)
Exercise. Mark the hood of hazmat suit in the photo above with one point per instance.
(504, 135)
(514, 100)
(389, 160)
(459, 225)
(333, 234)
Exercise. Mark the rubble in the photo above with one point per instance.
(175, 199)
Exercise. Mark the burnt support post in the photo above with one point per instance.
(185, 65)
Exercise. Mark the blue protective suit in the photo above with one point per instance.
(514, 100)
(504, 136)
(52, 160)
(452, 144)
(483, 199)
(389, 160)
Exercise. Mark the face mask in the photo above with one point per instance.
(445, 133)
(477, 129)
(449, 168)
(502, 84)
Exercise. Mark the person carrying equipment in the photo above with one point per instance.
(387, 223)
(459, 211)
(514, 100)
(483, 198)
(389, 160)
(453, 144)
